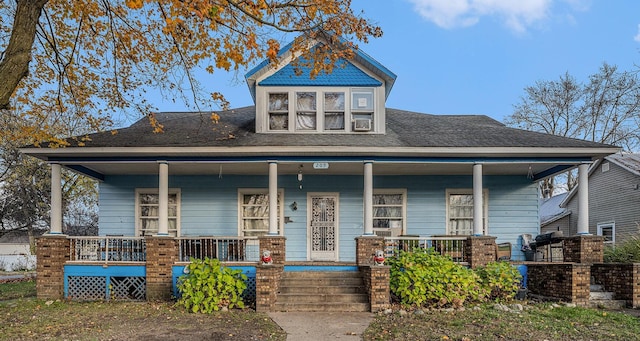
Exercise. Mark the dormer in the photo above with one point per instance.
(349, 100)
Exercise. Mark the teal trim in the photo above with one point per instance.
(311, 268)
(99, 270)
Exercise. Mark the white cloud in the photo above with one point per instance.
(516, 14)
(637, 37)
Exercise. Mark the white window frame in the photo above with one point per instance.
(468, 191)
(376, 113)
(138, 215)
(391, 191)
(249, 191)
(612, 226)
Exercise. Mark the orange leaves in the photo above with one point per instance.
(274, 48)
(134, 4)
(153, 121)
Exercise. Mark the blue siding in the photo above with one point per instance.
(209, 205)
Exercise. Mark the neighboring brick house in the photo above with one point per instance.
(614, 199)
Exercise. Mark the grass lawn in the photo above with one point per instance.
(540, 322)
(21, 289)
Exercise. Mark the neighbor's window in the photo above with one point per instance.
(279, 111)
(147, 211)
(460, 212)
(389, 209)
(608, 231)
(334, 111)
(254, 212)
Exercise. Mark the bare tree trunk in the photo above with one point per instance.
(15, 59)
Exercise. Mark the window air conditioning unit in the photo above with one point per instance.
(387, 232)
(362, 124)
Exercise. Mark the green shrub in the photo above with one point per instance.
(500, 280)
(425, 278)
(626, 252)
(208, 286)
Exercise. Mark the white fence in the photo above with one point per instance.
(226, 249)
(108, 249)
(451, 246)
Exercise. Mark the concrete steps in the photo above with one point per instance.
(329, 291)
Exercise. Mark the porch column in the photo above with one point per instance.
(163, 199)
(583, 199)
(273, 198)
(478, 207)
(368, 198)
(56, 199)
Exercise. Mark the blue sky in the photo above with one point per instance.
(477, 56)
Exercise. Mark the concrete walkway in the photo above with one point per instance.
(319, 326)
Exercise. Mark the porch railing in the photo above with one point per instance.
(226, 249)
(451, 246)
(107, 249)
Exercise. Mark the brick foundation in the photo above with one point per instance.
(277, 246)
(376, 283)
(621, 279)
(366, 247)
(162, 252)
(480, 250)
(267, 281)
(568, 282)
(584, 249)
(52, 251)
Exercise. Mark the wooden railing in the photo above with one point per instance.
(451, 246)
(107, 249)
(226, 249)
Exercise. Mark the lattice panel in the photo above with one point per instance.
(249, 294)
(87, 288)
(128, 288)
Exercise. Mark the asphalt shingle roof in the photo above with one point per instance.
(404, 129)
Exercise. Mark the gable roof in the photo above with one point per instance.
(360, 57)
(344, 74)
(627, 161)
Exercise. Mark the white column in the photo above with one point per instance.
(583, 199)
(163, 199)
(368, 198)
(478, 206)
(273, 198)
(56, 199)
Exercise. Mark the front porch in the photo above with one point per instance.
(134, 268)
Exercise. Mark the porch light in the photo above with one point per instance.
(300, 177)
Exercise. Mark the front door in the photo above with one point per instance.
(323, 226)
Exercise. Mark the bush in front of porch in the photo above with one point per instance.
(426, 278)
(208, 286)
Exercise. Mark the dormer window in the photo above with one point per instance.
(321, 109)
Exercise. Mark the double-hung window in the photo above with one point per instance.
(279, 111)
(306, 118)
(148, 209)
(460, 212)
(254, 212)
(334, 111)
(389, 211)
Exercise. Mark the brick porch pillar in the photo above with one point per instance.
(277, 246)
(162, 253)
(584, 249)
(366, 247)
(267, 282)
(480, 250)
(376, 283)
(52, 251)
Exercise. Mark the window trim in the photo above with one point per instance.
(138, 215)
(244, 191)
(401, 191)
(485, 204)
(610, 224)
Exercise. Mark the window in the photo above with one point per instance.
(389, 210)
(306, 111)
(279, 111)
(147, 210)
(608, 231)
(460, 212)
(362, 109)
(605, 167)
(334, 111)
(254, 212)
